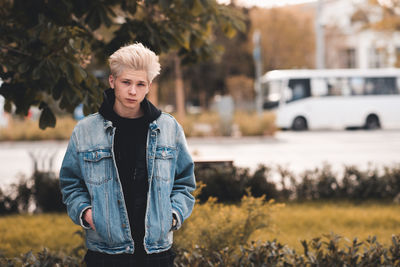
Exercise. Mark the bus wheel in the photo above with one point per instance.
(372, 122)
(299, 124)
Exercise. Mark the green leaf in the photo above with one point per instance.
(47, 119)
(229, 30)
(129, 5)
(86, 109)
(60, 86)
(8, 106)
(23, 67)
(79, 73)
(197, 8)
(93, 19)
(164, 3)
(38, 71)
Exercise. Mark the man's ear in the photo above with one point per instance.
(111, 81)
(148, 88)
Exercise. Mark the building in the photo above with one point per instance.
(348, 43)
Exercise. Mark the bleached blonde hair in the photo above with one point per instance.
(135, 56)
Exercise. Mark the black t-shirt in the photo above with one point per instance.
(130, 155)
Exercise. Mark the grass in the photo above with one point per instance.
(304, 221)
(292, 223)
(21, 233)
(247, 123)
(204, 124)
(28, 130)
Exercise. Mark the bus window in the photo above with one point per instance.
(346, 89)
(380, 86)
(300, 88)
(357, 86)
(335, 86)
(319, 87)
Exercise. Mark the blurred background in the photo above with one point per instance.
(297, 101)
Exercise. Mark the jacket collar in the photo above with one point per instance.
(106, 110)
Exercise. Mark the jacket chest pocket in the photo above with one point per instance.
(164, 159)
(97, 166)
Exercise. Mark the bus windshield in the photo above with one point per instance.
(272, 94)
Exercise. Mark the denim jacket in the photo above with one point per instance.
(89, 178)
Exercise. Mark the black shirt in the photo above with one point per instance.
(130, 146)
(130, 155)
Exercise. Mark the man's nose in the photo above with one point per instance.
(132, 90)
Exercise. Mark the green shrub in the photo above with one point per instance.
(42, 190)
(317, 252)
(228, 183)
(216, 226)
(45, 258)
(325, 251)
(46, 192)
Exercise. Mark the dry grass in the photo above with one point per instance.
(209, 124)
(28, 130)
(251, 124)
(296, 222)
(21, 233)
(289, 224)
(200, 125)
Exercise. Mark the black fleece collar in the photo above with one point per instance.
(106, 109)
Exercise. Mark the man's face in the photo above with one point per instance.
(130, 88)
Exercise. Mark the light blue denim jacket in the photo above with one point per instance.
(89, 178)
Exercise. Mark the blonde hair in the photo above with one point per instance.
(135, 56)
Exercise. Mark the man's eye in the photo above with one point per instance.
(126, 82)
(141, 84)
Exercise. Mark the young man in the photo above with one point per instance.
(127, 175)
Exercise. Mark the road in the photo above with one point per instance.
(297, 151)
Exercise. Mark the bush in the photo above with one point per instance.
(215, 226)
(228, 183)
(209, 124)
(317, 252)
(44, 258)
(41, 191)
(251, 124)
(46, 192)
(324, 251)
(19, 129)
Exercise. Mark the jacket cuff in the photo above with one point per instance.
(82, 222)
(178, 218)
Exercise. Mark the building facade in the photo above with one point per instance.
(349, 42)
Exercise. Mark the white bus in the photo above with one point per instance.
(333, 98)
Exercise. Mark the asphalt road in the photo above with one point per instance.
(297, 151)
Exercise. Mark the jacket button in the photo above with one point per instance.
(119, 202)
(123, 225)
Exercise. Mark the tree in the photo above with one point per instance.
(46, 45)
(287, 37)
(381, 15)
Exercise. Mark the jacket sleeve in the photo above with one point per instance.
(184, 183)
(73, 188)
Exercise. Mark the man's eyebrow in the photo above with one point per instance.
(130, 80)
